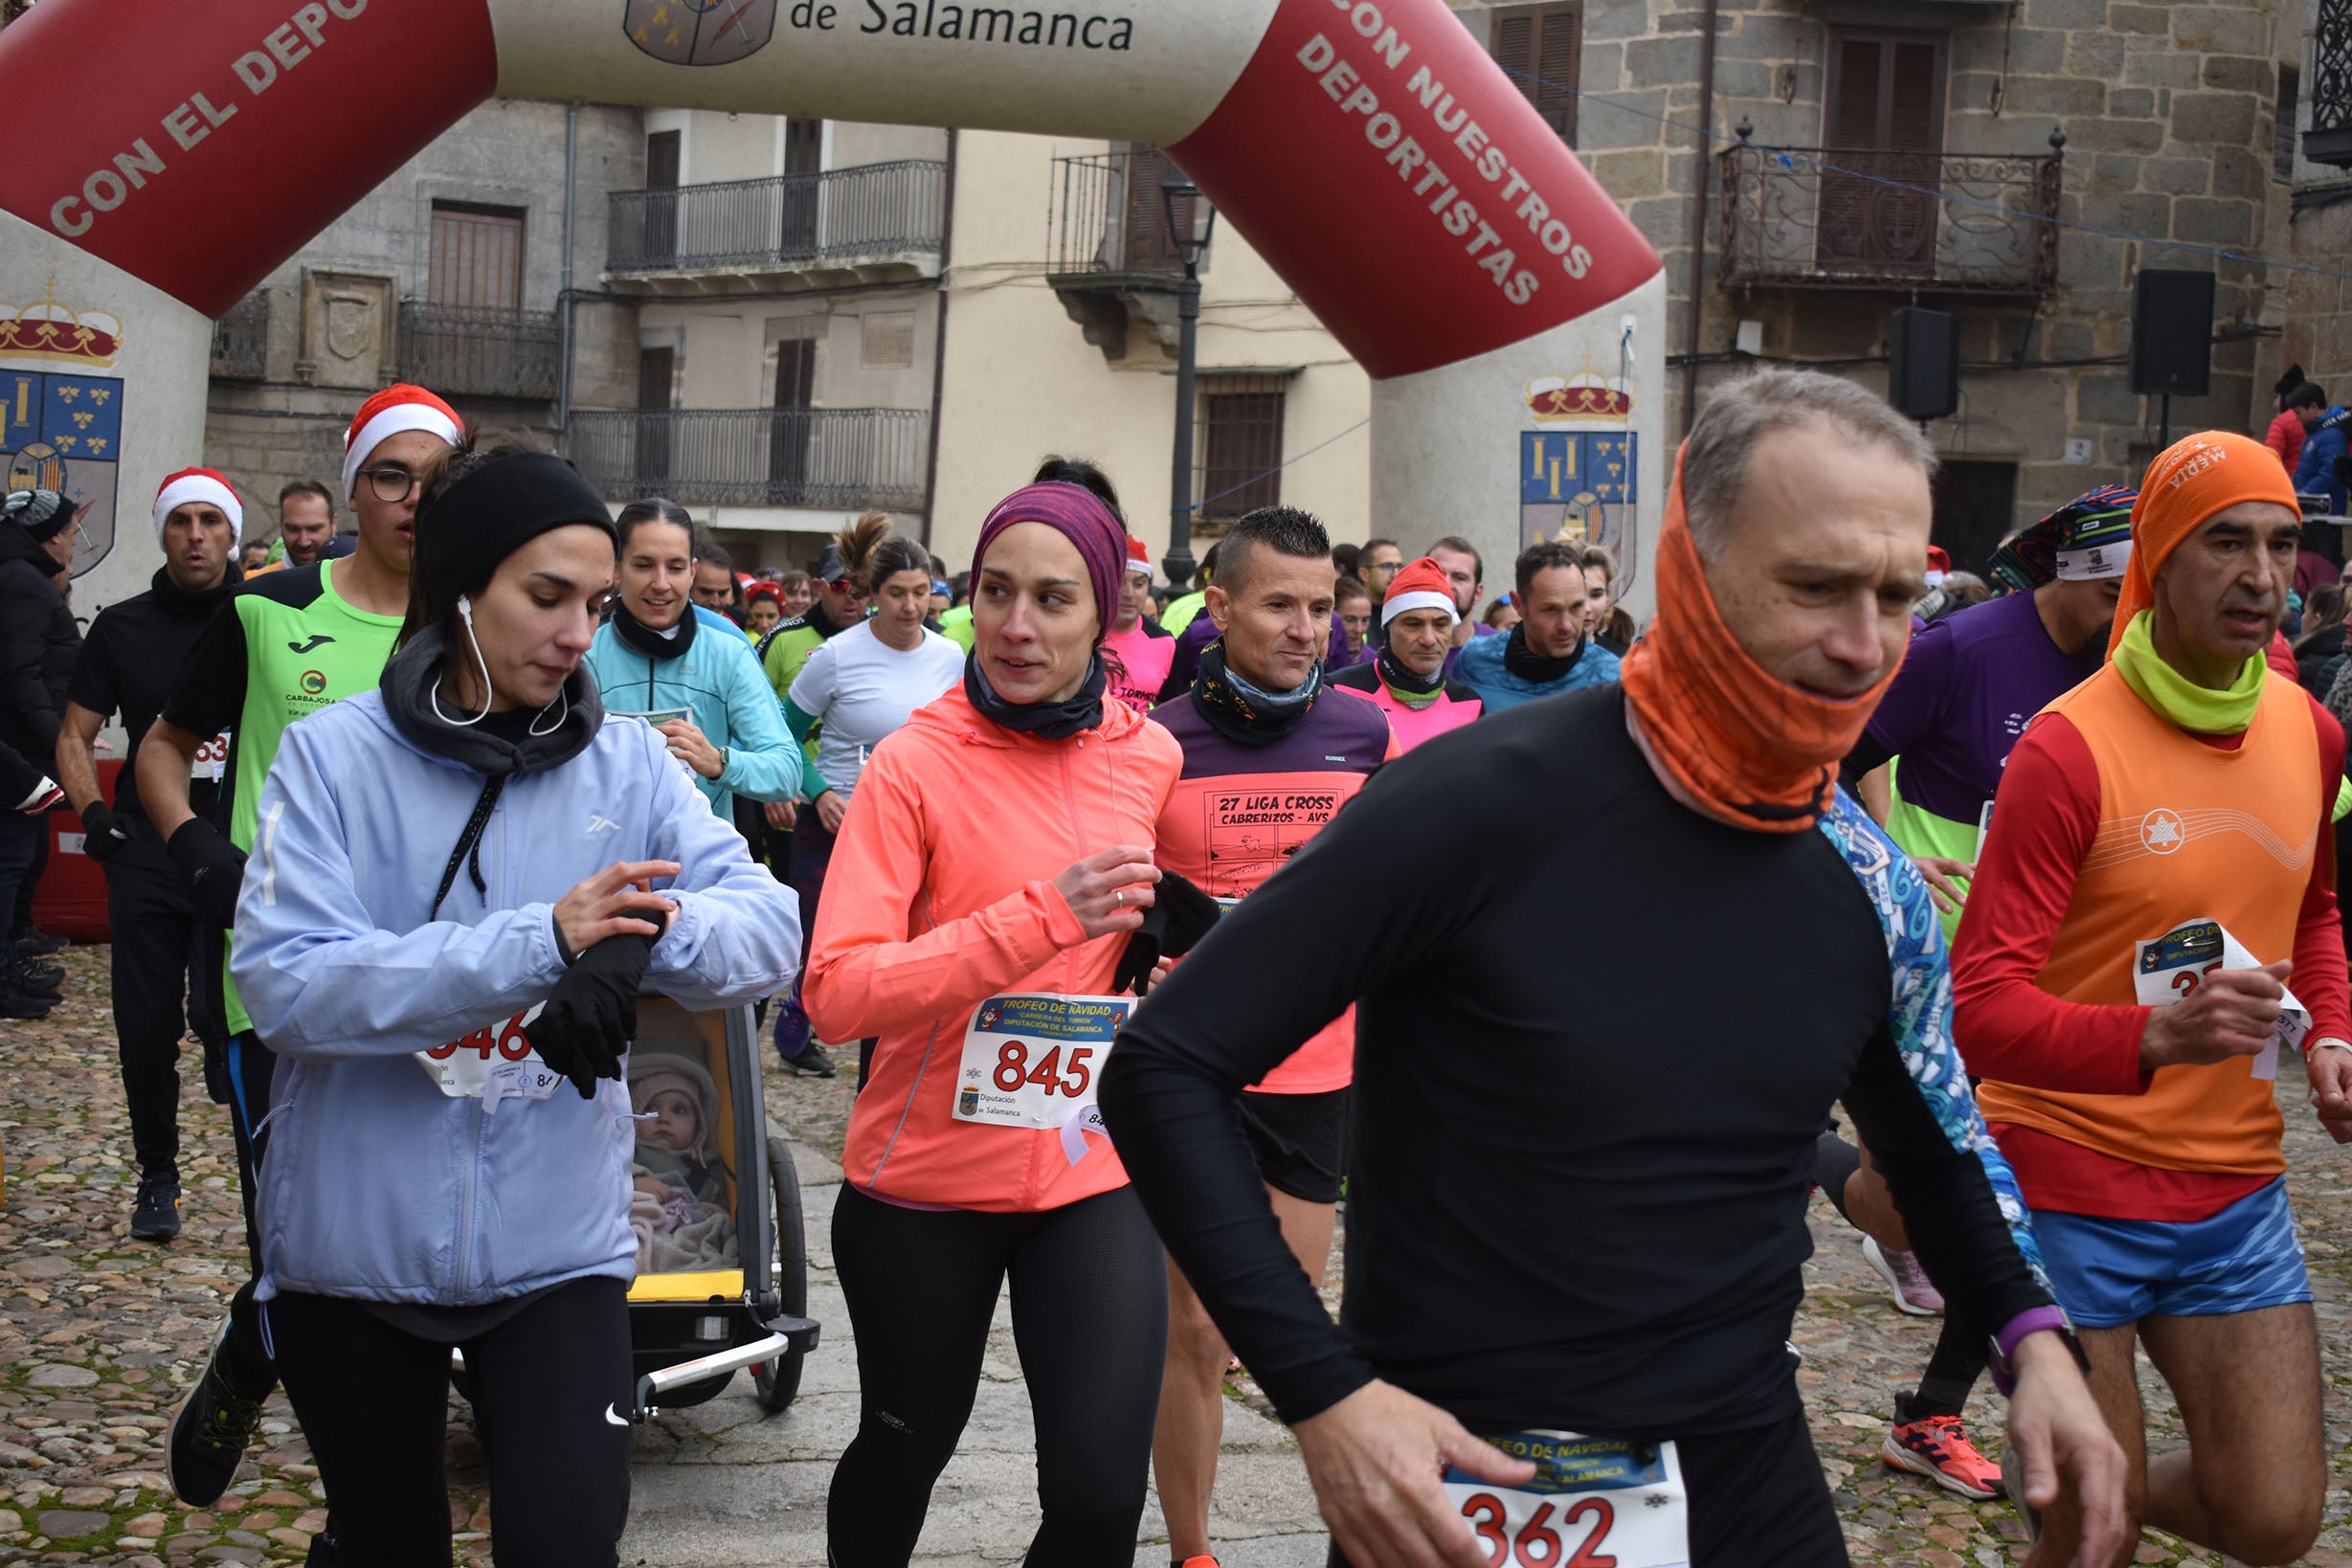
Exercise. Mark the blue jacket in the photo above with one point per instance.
(2315, 472)
(1478, 665)
(376, 1184)
(719, 679)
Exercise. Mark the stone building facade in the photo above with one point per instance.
(2149, 122)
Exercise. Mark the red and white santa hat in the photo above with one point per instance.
(1139, 557)
(397, 408)
(1418, 585)
(204, 484)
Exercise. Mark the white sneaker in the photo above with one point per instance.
(1915, 1293)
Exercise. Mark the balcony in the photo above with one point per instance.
(481, 352)
(875, 223)
(241, 339)
(833, 459)
(2329, 141)
(1111, 261)
(1923, 222)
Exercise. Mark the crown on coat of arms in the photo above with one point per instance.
(47, 329)
(1585, 395)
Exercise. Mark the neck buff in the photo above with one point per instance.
(1533, 667)
(1080, 711)
(1246, 713)
(2201, 710)
(1743, 747)
(2190, 481)
(671, 644)
(198, 601)
(1412, 689)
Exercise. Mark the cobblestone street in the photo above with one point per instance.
(98, 1335)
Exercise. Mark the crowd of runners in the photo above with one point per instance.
(1571, 956)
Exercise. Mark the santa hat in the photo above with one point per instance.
(1419, 585)
(203, 485)
(1939, 565)
(395, 409)
(1138, 555)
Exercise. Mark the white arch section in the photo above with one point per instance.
(1369, 150)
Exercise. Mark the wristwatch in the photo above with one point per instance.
(2002, 1347)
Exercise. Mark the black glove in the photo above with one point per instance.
(1180, 915)
(104, 835)
(591, 1016)
(211, 866)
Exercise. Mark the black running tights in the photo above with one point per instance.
(375, 1405)
(1091, 1317)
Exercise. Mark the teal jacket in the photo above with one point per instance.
(718, 679)
(1479, 665)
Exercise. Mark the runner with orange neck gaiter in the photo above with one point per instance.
(1583, 1126)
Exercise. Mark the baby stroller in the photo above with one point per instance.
(723, 1269)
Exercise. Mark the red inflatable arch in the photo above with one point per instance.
(165, 156)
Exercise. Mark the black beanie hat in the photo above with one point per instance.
(41, 513)
(488, 514)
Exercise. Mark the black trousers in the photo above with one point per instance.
(1756, 1500)
(373, 1404)
(246, 1350)
(24, 841)
(1090, 1316)
(154, 942)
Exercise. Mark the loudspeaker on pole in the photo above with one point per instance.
(1924, 363)
(2172, 332)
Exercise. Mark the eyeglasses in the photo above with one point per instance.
(391, 485)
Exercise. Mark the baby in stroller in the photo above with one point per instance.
(677, 1183)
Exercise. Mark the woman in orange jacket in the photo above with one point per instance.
(995, 858)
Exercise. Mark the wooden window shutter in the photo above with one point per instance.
(1540, 48)
(475, 257)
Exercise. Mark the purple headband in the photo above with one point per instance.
(1078, 515)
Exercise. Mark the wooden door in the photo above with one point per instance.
(1884, 123)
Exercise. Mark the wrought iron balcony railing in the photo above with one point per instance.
(480, 350)
(2329, 141)
(850, 459)
(241, 339)
(1838, 218)
(789, 220)
(1108, 217)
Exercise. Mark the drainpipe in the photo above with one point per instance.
(1698, 216)
(939, 340)
(563, 299)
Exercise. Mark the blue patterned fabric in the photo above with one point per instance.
(1919, 1010)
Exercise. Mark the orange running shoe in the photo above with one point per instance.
(1937, 1447)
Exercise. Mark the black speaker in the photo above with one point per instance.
(1924, 363)
(2172, 332)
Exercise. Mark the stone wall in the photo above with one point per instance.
(2167, 116)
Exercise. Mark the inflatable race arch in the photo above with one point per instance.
(165, 156)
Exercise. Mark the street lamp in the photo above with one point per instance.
(1191, 219)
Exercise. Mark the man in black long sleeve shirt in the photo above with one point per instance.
(1584, 1127)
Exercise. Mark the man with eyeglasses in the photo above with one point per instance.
(286, 646)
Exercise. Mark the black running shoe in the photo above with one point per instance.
(38, 944)
(209, 1434)
(22, 1008)
(26, 981)
(813, 1061)
(156, 1217)
(51, 976)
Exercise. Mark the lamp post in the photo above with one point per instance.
(1191, 219)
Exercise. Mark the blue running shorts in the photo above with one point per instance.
(2110, 1273)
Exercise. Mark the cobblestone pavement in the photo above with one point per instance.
(98, 1335)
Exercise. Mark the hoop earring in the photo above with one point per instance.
(466, 612)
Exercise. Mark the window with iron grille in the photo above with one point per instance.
(475, 257)
(1239, 442)
(1540, 48)
(2282, 125)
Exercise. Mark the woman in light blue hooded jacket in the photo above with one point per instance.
(460, 884)
(695, 679)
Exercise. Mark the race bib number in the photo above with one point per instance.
(1031, 1060)
(494, 1063)
(2168, 970)
(211, 759)
(656, 716)
(1594, 1503)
